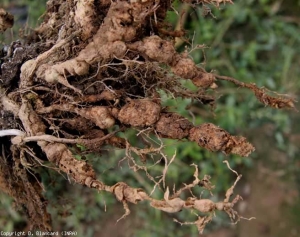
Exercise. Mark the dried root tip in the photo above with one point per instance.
(214, 138)
(139, 113)
(172, 125)
(274, 102)
(278, 102)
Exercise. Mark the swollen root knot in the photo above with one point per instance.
(123, 192)
(140, 113)
(215, 138)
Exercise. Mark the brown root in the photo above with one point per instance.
(156, 49)
(214, 138)
(172, 125)
(6, 20)
(139, 113)
(25, 189)
(277, 102)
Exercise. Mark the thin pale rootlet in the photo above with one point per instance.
(89, 72)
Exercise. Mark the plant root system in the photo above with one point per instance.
(90, 71)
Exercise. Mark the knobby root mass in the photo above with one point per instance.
(92, 70)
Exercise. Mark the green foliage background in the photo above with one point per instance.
(251, 40)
